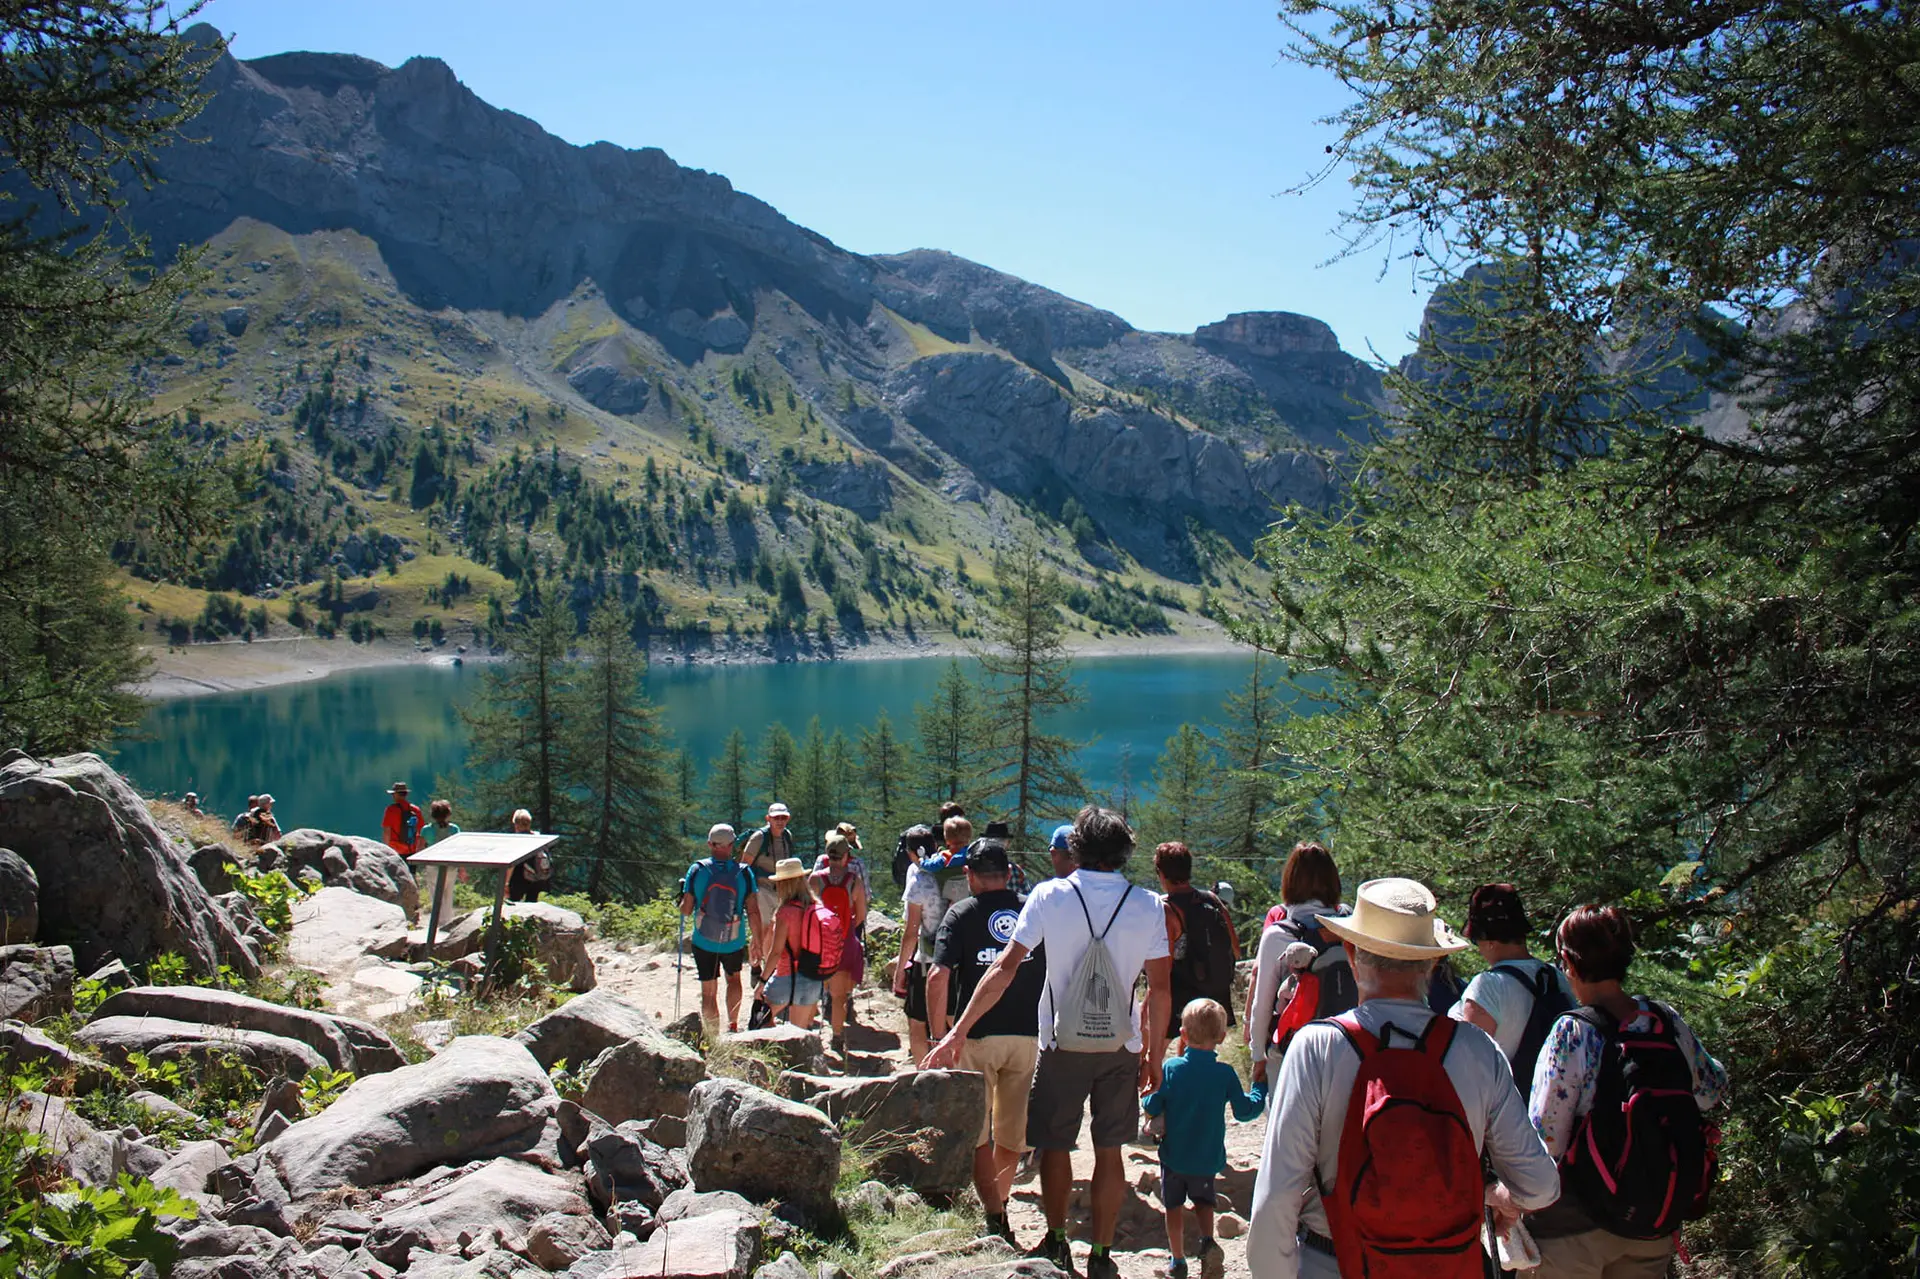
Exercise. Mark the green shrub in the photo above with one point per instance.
(650, 922)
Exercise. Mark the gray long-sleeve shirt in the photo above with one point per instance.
(1310, 1108)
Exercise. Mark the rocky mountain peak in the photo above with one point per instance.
(1271, 334)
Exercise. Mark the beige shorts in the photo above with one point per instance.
(1007, 1062)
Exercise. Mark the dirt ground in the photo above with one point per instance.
(876, 1039)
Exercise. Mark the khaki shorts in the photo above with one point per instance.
(1063, 1085)
(1594, 1254)
(1007, 1062)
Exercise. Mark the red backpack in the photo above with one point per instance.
(1408, 1199)
(822, 937)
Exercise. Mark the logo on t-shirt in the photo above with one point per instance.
(1000, 925)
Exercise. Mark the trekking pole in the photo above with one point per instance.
(679, 968)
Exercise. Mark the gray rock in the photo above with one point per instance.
(557, 1240)
(337, 928)
(642, 1078)
(689, 1030)
(162, 1039)
(267, 1214)
(280, 1101)
(209, 863)
(198, 331)
(917, 1129)
(682, 1204)
(35, 981)
(111, 883)
(480, 1097)
(504, 1195)
(366, 866)
(162, 1108)
(112, 975)
(582, 1028)
(21, 1045)
(716, 1245)
(19, 900)
(234, 320)
(861, 487)
(949, 1256)
(191, 1169)
(88, 1156)
(1022, 1268)
(745, 1139)
(869, 1199)
(623, 1165)
(562, 943)
(344, 1043)
(269, 1127)
(215, 1239)
(785, 1266)
(668, 1130)
(789, 1046)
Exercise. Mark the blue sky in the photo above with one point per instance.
(1130, 154)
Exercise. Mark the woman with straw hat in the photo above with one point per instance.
(786, 989)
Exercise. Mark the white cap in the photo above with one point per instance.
(777, 809)
(720, 834)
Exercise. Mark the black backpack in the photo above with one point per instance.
(1203, 953)
(919, 837)
(1332, 975)
(1550, 1000)
(1642, 1160)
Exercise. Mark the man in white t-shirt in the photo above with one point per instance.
(1500, 1001)
(1095, 900)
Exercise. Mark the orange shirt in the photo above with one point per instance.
(399, 818)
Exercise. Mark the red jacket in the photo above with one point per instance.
(394, 828)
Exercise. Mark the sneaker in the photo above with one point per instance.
(1058, 1251)
(1103, 1266)
(998, 1225)
(1177, 1268)
(1213, 1260)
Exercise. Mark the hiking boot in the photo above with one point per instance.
(1103, 1266)
(1177, 1268)
(998, 1225)
(1058, 1251)
(1213, 1260)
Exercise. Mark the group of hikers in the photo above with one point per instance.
(408, 831)
(1540, 1118)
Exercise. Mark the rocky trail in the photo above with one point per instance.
(292, 1064)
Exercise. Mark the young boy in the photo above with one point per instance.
(1195, 1088)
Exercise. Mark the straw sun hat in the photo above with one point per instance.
(1395, 918)
(788, 868)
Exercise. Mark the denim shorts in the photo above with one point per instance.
(791, 988)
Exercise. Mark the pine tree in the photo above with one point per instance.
(811, 795)
(1245, 806)
(884, 761)
(1029, 679)
(729, 779)
(843, 777)
(91, 93)
(1184, 792)
(618, 757)
(687, 778)
(778, 757)
(947, 731)
(516, 750)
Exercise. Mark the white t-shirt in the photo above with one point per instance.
(1507, 1001)
(934, 900)
(1053, 916)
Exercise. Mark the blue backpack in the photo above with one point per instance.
(720, 903)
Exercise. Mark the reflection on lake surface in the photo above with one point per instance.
(328, 749)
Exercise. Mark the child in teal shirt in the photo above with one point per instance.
(1193, 1094)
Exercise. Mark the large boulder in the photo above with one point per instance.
(716, 1245)
(346, 1043)
(645, 1077)
(481, 1097)
(19, 899)
(162, 1039)
(623, 1165)
(366, 866)
(35, 981)
(336, 928)
(917, 1129)
(745, 1139)
(504, 1194)
(112, 885)
(787, 1046)
(22, 1045)
(557, 1240)
(561, 940)
(581, 1029)
(90, 1157)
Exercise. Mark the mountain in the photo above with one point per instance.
(454, 339)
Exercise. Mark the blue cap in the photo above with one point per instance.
(1060, 834)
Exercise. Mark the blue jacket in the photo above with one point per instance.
(1193, 1095)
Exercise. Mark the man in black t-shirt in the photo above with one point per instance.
(1005, 1043)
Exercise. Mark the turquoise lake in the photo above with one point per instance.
(327, 749)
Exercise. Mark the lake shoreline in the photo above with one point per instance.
(231, 666)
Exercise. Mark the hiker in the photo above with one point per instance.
(1004, 1044)
(1518, 999)
(1301, 972)
(1199, 934)
(1610, 1089)
(839, 881)
(920, 839)
(804, 949)
(1194, 1088)
(436, 882)
(1100, 932)
(998, 832)
(720, 892)
(191, 803)
(1058, 853)
(935, 884)
(1380, 1117)
(529, 878)
(265, 827)
(400, 825)
(765, 849)
(243, 821)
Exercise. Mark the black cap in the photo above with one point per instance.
(996, 830)
(989, 859)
